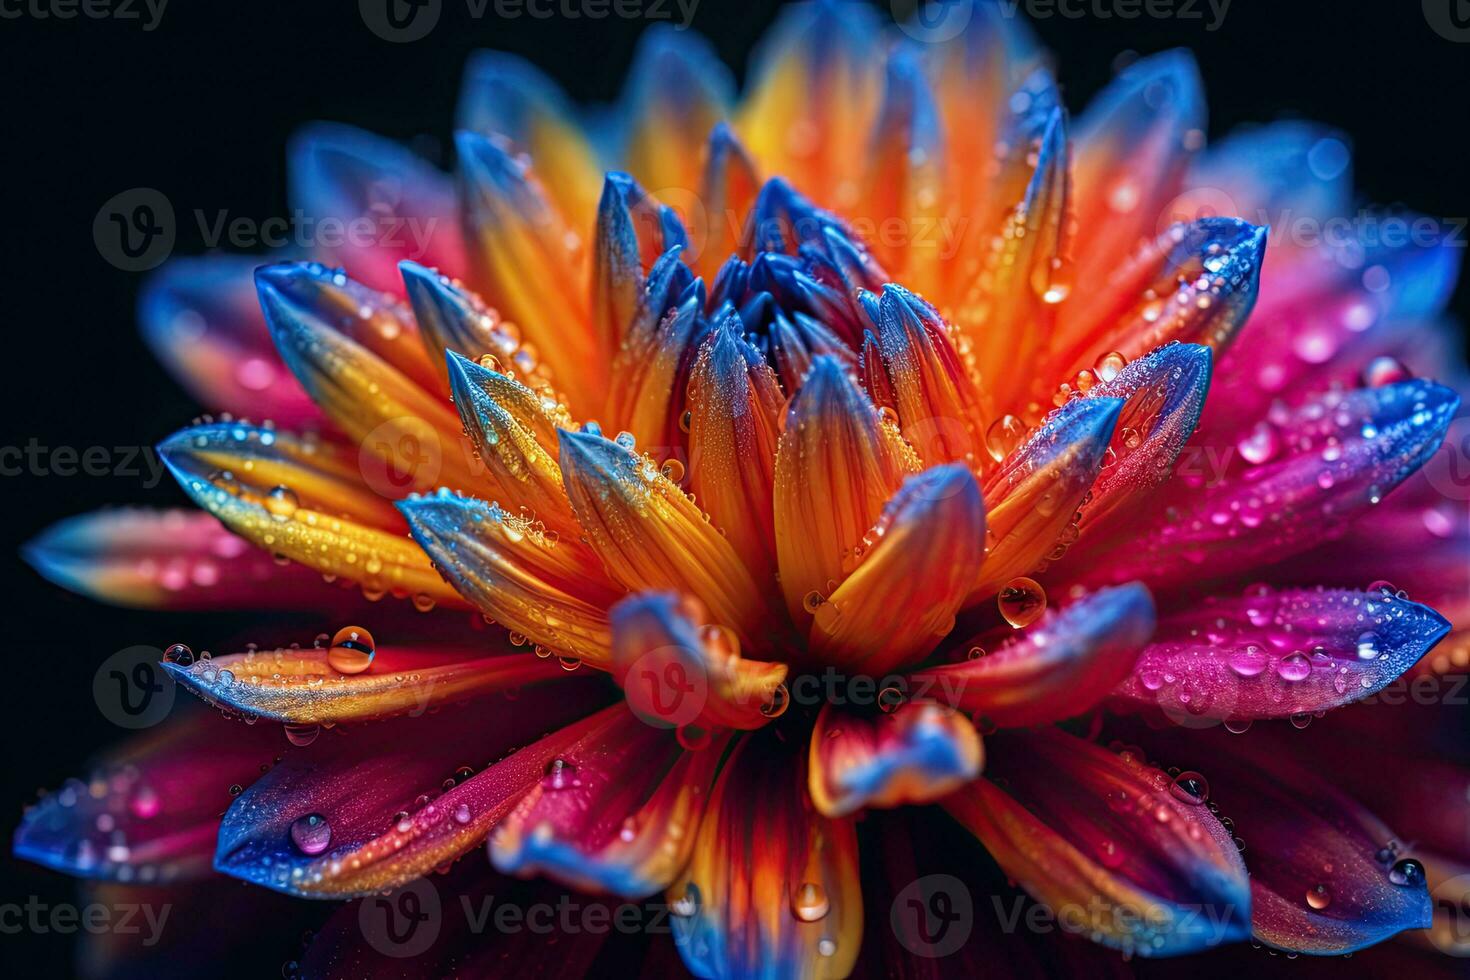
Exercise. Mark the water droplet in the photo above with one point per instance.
(281, 503)
(302, 734)
(827, 947)
(179, 655)
(1022, 601)
(779, 702)
(686, 420)
(423, 602)
(1109, 365)
(673, 470)
(1407, 873)
(569, 663)
(626, 440)
(1003, 436)
(311, 834)
(352, 650)
(1319, 897)
(809, 903)
(559, 774)
(1248, 662)
(693, 737)
(890, 699)
(1190, 787)
(462, 813)
(1385, 370)
(686, 904)
(1294, 667)
(812, 601)
(1368, 646)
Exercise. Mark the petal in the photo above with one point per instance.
(913, 570)
(1056, 670)
(520, 575)
(677, 670)
(837, 465)
(617, 815)
(728, 189)
(914, 754)
(1163, 395)
(201, 318)
(391, 204)
(797, 341)
(369, 795)
(1101, 836)
(653, 370)
(503, 95)
(1333, 461)
(735, 406)
(1034, 494)
(1317, 884)
(300, 686)
(170, 559)
(1274, 654)
(939, 406)
(770, 889)
(453, 319)
(650, 535)
(368, 374)
(1133, 145)
(339, 547)
(530, 264)
(148, 812)
(817, 78)
(677, 91)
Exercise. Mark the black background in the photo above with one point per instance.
(200, 108)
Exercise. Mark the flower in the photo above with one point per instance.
(917, 527)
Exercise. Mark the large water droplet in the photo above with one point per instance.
(352, 650)
(179, 655)
(1407, 873)
(302, 735)
(559, 774)
(1294, 667)
(1021, 601)
(281, 503)
(1319, 897)
(1190, 787)
(311, 834)
(809, 903)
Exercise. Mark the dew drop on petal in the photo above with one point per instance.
(810, 903)
(1319, 897)
(311, 834)
(1190, 787)
(1021, 601)
(352, 650)
(1406, 873)
(282, 503)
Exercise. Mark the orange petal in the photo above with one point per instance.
(913, 572)
(677, 670)
(729, 186)
(677, 91)
(837, 465)
(914, 754)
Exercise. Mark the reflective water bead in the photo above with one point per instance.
(1021, 601)
(352, 650)
(311, 834)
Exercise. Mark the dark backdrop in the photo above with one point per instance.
(200, 108)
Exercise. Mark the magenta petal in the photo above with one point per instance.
(1325, 879)
(201, 318)
(1313, 473)
(149, 812)
(1277, 654)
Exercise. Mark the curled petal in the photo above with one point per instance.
(677, 91)
(938, 403)
(201, 318)
(517, 573)
(735, 405)
(301, 687)
(514, 431)
(771, 888)
(816, 83)
(1058, 669)
(617, 815)
(1100, 836)
(1325, 879)
(649, 534)
(149, 812)
(362, 180)
(1035, 492)
(1277, 654)
(837, 464)
(169, 559)
(530, 264)
(368, 372)
(503, 95)
(374, 829)
(1133, 146)
(915, 754)
(678, 670)
(340, 547)
(453, 319)
(1330, 463)
(913, 571)
(1163, 395)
